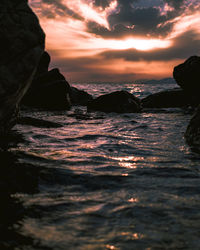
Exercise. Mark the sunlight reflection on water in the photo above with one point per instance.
(115, 181)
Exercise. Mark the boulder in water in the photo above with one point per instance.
(119, 102)
(79, 97)
(187, 75)
(168, 99)
(30, 121)
(21, 47)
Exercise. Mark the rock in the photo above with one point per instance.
(119, 102)
(50, 91)
(37, 122)
(53, 75)
(43, 65)
(192, 133)
(168, 99)
(21, 47)
(187, 75)
(79, 97)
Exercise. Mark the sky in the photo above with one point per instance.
(119, 40)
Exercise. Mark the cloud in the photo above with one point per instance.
(51, 9)
(152, 18)
(179, 50)
(94, 70)
(102, 3)
(140, 22)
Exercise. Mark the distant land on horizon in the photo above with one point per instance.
(167, 80)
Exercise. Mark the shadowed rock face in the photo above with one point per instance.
(187, 75)
(49, 91)
(43, 65)
(119, 102)
(192, 134)
(21, 46)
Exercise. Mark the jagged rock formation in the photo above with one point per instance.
(119, 102)
(21, 46)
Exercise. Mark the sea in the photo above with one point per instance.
(102, 180)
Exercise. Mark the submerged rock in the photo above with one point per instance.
(38, 122)
(119, 102)
(79, 97)
(168, 99)
(49, 91)
(192, 134)
(187, 75)
(22, 44)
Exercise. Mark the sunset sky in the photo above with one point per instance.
(119, 40)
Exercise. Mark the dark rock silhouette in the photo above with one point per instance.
(79, 97)
(192, 134)
(119, 102)
(21, 46)
(187, 75)
(49, 91)
(168, 99)
(43, 65)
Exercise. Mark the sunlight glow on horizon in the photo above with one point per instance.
(85, 41)
(138, 44)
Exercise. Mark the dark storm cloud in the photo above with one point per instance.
(102, 3)
(140, 18)
(179, 50)
(143, 27)
(119, 31)
(145, 20)
(58, 8)
(176, 4)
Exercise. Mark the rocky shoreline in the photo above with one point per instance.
(26, 80)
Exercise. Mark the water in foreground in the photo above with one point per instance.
(102, 181)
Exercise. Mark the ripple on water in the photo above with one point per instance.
(103, 181)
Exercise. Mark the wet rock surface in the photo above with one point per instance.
(119, 102)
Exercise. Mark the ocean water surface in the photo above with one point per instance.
(102, 181)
